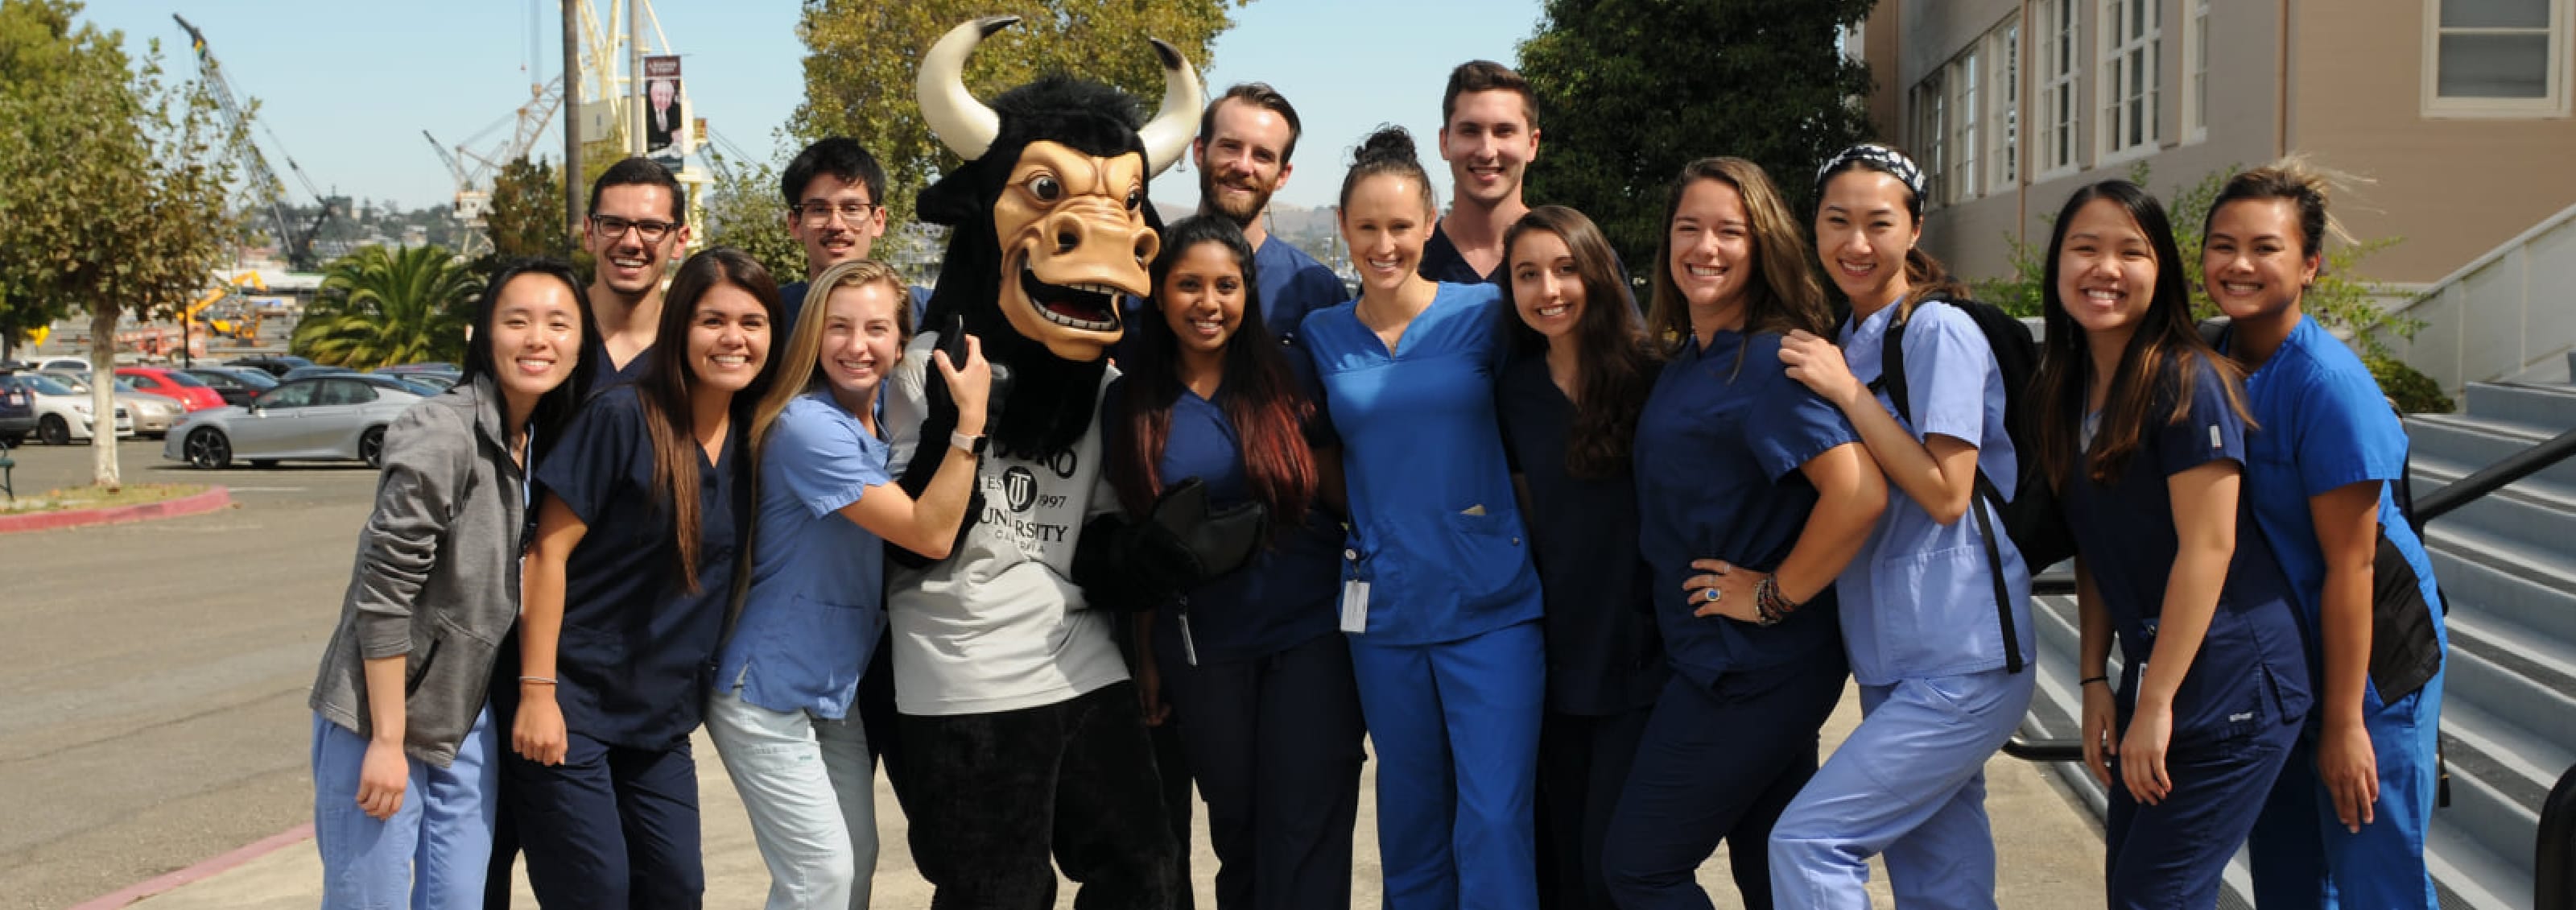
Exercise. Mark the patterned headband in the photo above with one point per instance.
(1878, 157)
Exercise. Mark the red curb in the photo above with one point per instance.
(193, 504)
(201, 871)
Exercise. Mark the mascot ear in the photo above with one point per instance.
(951, 201)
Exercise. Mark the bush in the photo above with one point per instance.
(2414, 392)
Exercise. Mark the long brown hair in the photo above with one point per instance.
(1261, 399)
(2162, 361)
(1614, 361)
(1785, 295)
(798, 349)
(668, 382)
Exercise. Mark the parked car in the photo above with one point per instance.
(17, 414)
(274, 365)
(238, 385)
(62, 415)
(311, 370)
(440, 376)
(340, 417)
(173, 384)
(151, 415)
(423, 386)
(74, 364)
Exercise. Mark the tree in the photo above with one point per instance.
(1629, 91)
(527, 216)
(2340, 300)
(380, 307)
(116, 199)
(862, 57)
(744, 210)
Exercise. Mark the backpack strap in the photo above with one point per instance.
(1891, 379)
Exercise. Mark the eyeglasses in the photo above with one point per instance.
(819, 212)
(612, 227)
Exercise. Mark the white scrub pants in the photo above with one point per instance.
(1909, 783)
(810, 790)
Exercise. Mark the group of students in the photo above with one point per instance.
(1587, 580)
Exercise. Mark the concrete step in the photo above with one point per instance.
(2462, 445)
(2469, 874)
(2484, 827)
(2549, 409)
(2506, 681)
(2523, 583)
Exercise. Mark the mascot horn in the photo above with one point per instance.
(1050, 228)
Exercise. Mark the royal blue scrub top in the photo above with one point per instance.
(1434, 529)
(1284, 597)
(816, 605)
(2322, 423)
(1918, 601)
(1603, 653)
(1292, 284)
(1718, 453)
(2250, 671)
(636, 657)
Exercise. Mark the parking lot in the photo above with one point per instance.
(156, 672)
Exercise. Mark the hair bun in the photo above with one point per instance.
(1389, 144)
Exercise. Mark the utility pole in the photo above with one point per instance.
(635, 75)
(572, 115)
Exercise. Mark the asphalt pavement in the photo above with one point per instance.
(157, 674)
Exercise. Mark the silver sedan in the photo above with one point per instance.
(323, 418)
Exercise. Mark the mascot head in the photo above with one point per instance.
(1050, 208)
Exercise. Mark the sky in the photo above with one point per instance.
(346, 88)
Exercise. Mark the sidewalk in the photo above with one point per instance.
(2051, 853)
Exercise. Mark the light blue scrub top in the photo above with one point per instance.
(2320, 423)
(1434, 526)
(817, 599)
(1919, 600)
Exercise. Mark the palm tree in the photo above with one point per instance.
(381, 306)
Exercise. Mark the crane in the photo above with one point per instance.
(265, 188)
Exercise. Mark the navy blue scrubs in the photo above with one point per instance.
(2240, 705)
(1258, 678)
(1605, 661)
(609, 372)
(1733, 736)
(1447, 649)
(1442, 262)
(616, 825)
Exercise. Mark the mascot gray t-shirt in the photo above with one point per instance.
(999, 625)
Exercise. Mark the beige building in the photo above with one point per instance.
(2457, 111)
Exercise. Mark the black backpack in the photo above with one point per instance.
(2031, 517)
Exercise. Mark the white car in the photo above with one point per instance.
(153, 415)
(62, 415)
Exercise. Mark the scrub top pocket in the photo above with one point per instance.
(1487, 549)
(1931, 608)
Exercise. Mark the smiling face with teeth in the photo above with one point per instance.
(1864, 227)
(1202, 299)
(1386, 219)
(2106, 271)
(2251, 259)
(728, 339)
(1711, 239)
(1074, 240)
(1547, 286)
(536, 337)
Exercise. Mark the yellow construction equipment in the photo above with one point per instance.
(244, 329)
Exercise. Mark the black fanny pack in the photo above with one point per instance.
(2405, 651)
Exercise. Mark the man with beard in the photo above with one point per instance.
(1489, 135)
(631, 245)
(1245, 139)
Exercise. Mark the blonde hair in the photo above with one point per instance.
(800, 369)
(2305, 185)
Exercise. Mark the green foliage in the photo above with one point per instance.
(116, 199)
(862, 57)
(1631, 90)
(527, 216)
(381, 306)
(2414, 392)
(743, 210)
(2339, 299)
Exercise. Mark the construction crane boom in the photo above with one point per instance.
(265, 188)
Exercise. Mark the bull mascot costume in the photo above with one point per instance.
(1020, 737)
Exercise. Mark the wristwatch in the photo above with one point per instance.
(974, 445)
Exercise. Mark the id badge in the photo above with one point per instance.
(1189, 644)
(1355, 594)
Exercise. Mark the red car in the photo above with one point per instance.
(189, 391)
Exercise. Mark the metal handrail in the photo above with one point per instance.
(2554, 850)
(2440, 502)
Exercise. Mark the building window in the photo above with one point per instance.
(1931, 130)
(2497, 56)
(2057, 108)
(2195, 48)
(2132, 35)
(1965, 121)
(2003, 130)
